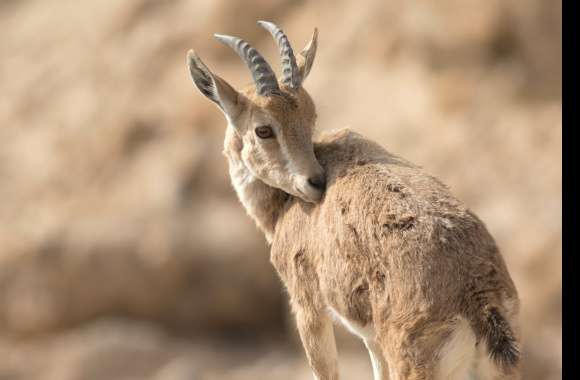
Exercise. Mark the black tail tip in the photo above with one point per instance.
(502, 345)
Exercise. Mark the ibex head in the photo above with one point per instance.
(273, 119)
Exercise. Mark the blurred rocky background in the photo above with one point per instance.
(124, 253)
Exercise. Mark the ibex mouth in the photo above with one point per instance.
(309, 193)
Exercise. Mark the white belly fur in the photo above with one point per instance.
(364, 332)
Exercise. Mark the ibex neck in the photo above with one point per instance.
(262, 202)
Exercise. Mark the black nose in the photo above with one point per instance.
(318, 182)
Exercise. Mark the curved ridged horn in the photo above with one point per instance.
(264, 76)
(291, 76)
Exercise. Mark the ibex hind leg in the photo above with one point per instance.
(456, 358)
(443, 350)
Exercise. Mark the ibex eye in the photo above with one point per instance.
(264, 132)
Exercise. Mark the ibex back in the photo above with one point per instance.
(362, 236)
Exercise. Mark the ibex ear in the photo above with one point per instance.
(306, 57)
(213, 87)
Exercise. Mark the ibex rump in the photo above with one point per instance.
(362, 235)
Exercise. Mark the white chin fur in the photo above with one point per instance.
(309, 195)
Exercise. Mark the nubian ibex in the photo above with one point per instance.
(362, 236)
